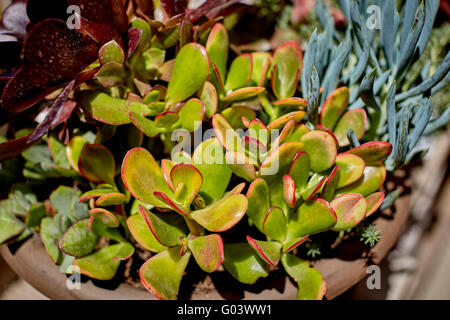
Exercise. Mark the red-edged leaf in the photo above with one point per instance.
(207, 251)
(269, 251)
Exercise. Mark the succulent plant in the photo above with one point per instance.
(308, 136)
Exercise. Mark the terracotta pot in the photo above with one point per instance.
(31, 262)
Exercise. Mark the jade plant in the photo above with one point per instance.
(298, 143)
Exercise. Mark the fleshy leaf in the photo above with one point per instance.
(350, 209)
(226, 134)
(313, 186)
(10, 226)
(311, 286)
(167, 228)
(142, 234)
(111, 52)
(142, 177)
(374, 202)
(297, 116)
(161, 274)
(243, 94)
(289, 190)
(353, 119)
(103, 263)
(111, 74)
(329, 188)
(110, 199)
(291, 103)
(50, 235)
(275, 224)
(145, 125)
(291, 244)
(240, 72)
(109, 110)
(269, 251)
(287, 62)
(208, 95)
(73, 150)
(191, 115)
(243, 263)
(209, 159)
(235, 114)
(78, 240)
(35, 215)
(258, 202)
(261, 67)
(189, 73)
(217, 46)
(299, 170)
(321, 148)
(373, 153)
(351, 169)
(223, 214)
(312, 217)
(190, 177)
(97, 163)
(333, 107)
(207, 251)
(241, 165)
(372, 179)
(106, 217)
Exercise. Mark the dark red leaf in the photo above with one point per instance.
(134, 35)
(52, 115)
(109, 12)
(174, 7)
(101, 33)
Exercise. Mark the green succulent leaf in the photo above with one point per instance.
(353, 119)
(243, 94)
(275, 224)
(373, 153)
(111, 74)
(314, 186)
(167, 228)
(208, 95)
(97, 164)
(311, 286)
(161, 274)
(191, 115)
(223, 214)
(350, 209)
(217, 47)
(110, 199)
(106, 217)
(73, 150)
(207, 251)
(142, 234)
(109, 110)
(261, 68)
(333, 107)
(145, 125)
(142, 177)
(269, 251)
(188, 179)
(312, 217)
(36, 213)
(372, 179)
(351, 169)
(329, 188)
(50, 235)
(240, 72)
(287, 62)
(78, 240)
(111, 52)
(321, 148)
(243, 263)
(103, 263)
(258, 202)
(209, 159)
(374, 202)
(189, 73)
(10, 226)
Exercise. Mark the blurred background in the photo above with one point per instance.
(419, 265)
